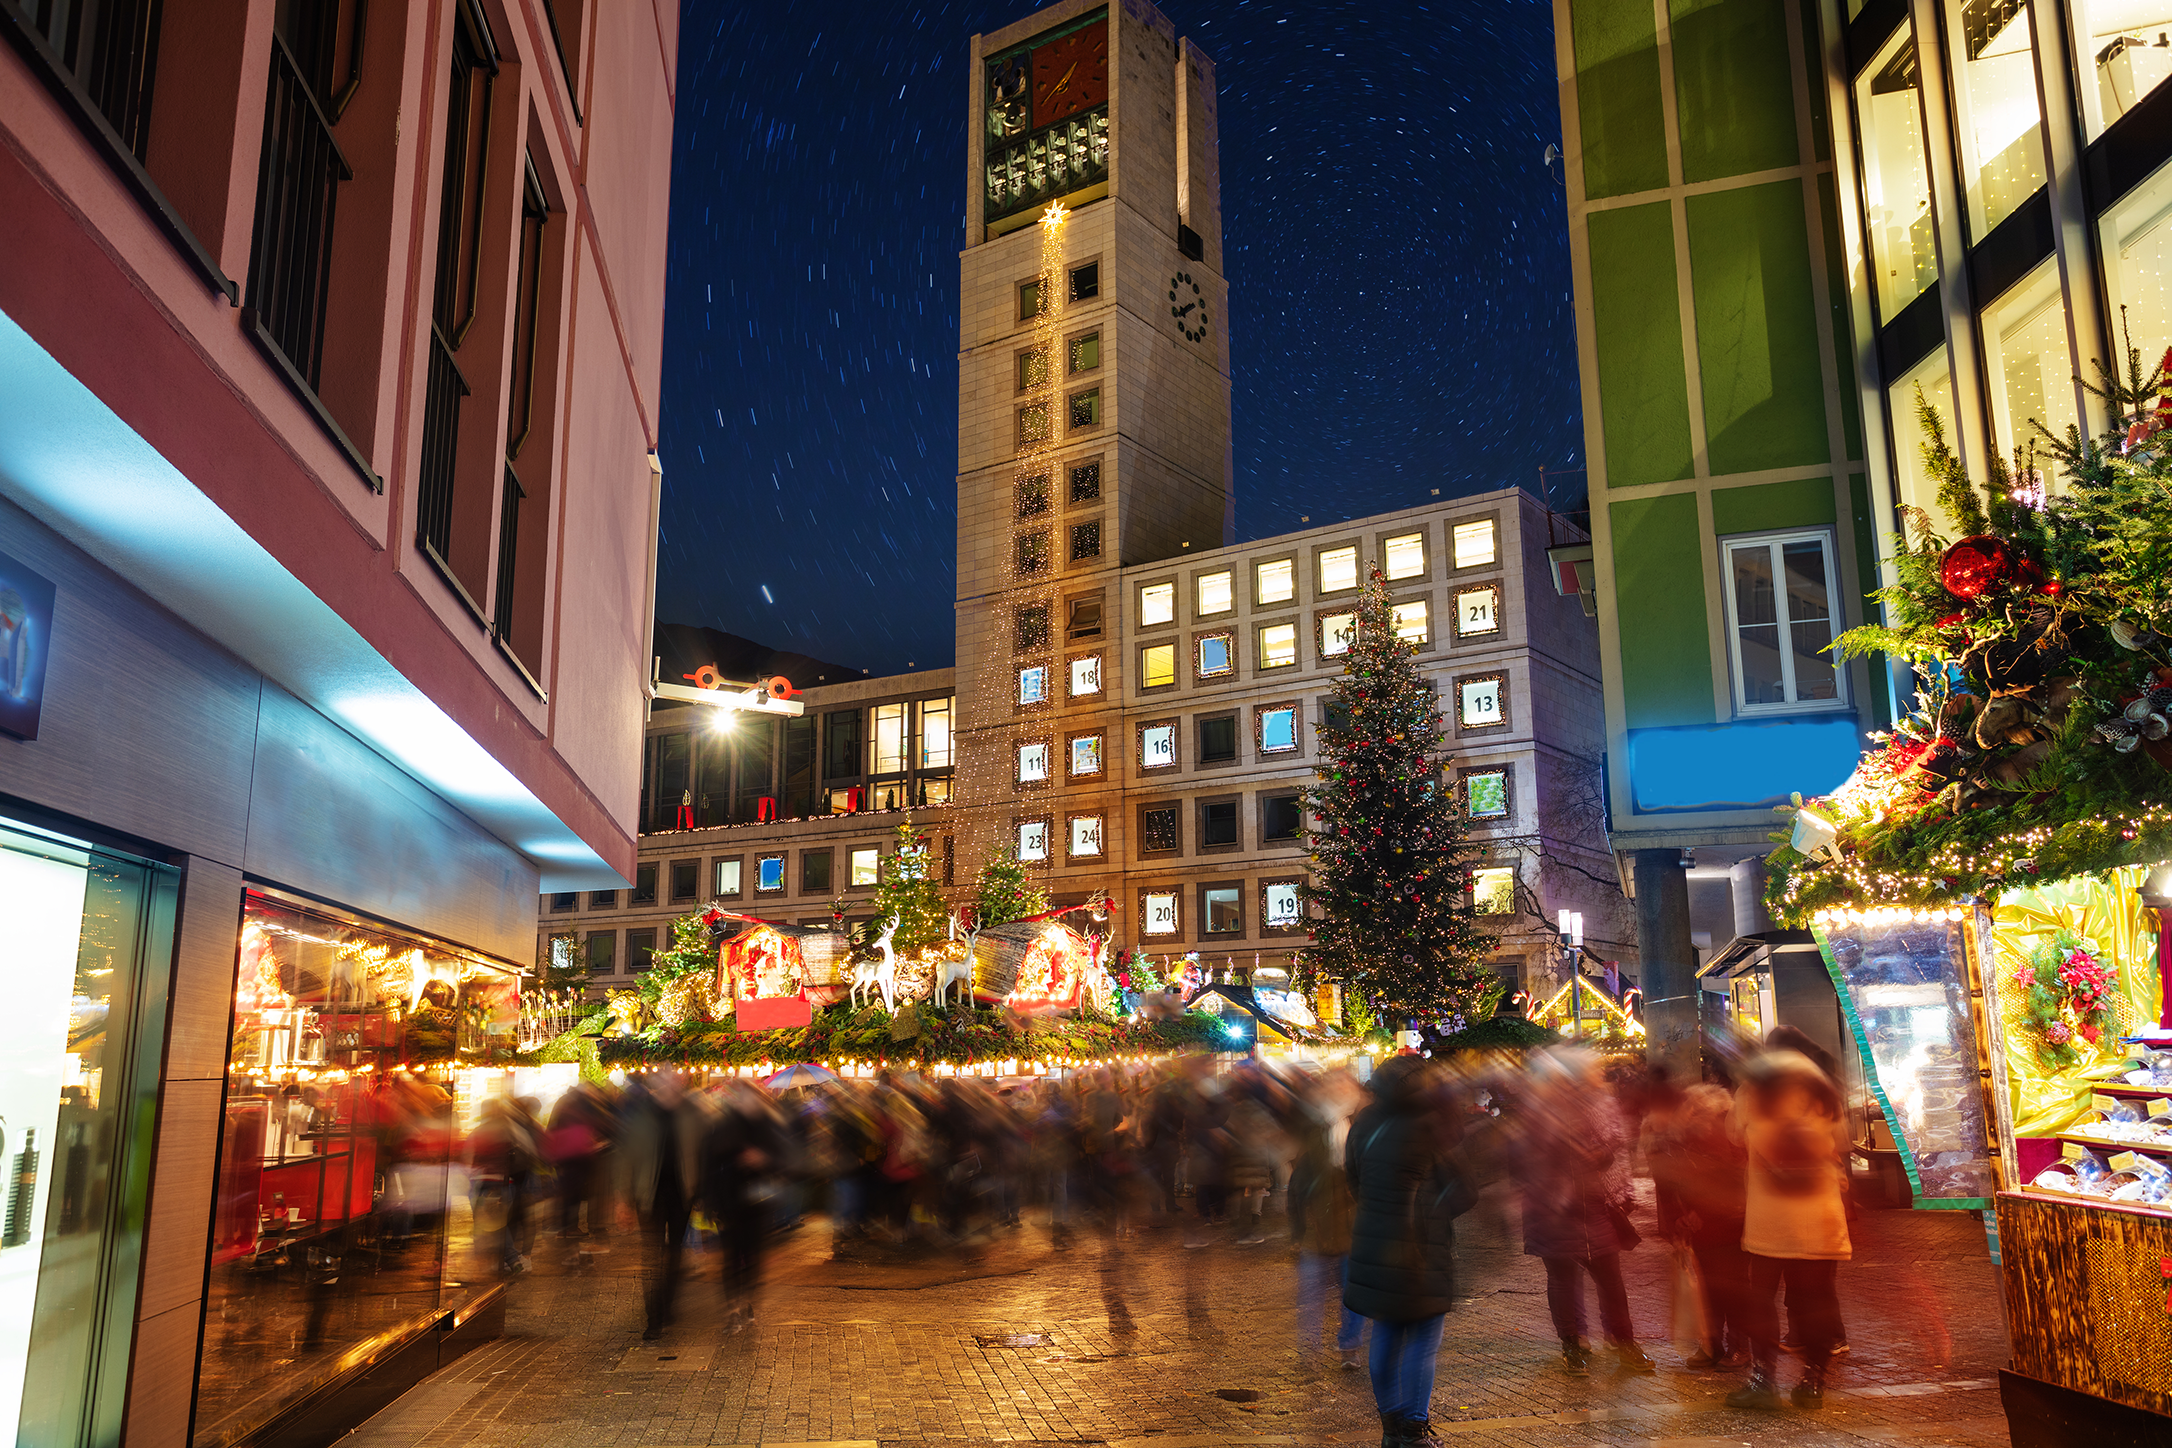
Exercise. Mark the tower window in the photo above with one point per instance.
(1217, 823)
(1033, 553)
(1086, 482)
(1158, 830)
(1085, 618)
(1085, 541)
(1085, 410)
(1033, 495)
(1033, 370)
(1086, 352)
(1086, 281)
(1029, 300)
(1033, 423)
(1033, 627)
(1218, 739)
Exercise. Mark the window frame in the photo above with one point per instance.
(1018, 763)
(808, 885)
(1099, 741)
(1499, 677)
(716, 880)
(672, 881)
(1267, 926)
(1071, 277)
(1100, 675)
(1228, 637)
(1071, 470)
(1425, 555)
(1424, 602)
(1176, 744)
(853, 857)
(1235, 888)
(1492, 586)
(1146, 683)
(1492, 522)
(1155, 585)
(1072, 343)
(783, 876)
(645, 894)
(1777, 540)
(1514, 878)
(1024, 357)
(1320, 554)
(1261, 662)
(1175, 896)
(588, 951)
(1033, 490)
(1071, 822)
(1091, 397)
(1319, 633)
(1027, 435)
(1464, 776)
(1199, 599)
(1074, 532)
(1235, 804)
(1199, 740)
(1174, 808)
(1295, 747)
(1269, 797)
(1031, 556)
(1018, 839)
(1259, 594)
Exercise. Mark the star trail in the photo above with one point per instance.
(1399, 315)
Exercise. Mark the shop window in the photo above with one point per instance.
(814, 871)
(1216, 655)
(1218, 824)
(935, 740)
(603, 952)
(1474, 545)
(1410, 622)
(565, 900)
(725, 875)
(685, 881)
(1157, 746)
(1493, 891)
(1086, 352)
(1997, 123)
(1031, 628)
(1338, 570)
(1780, 622)
(1033, 841)
(1478, 611)
(866, 867)
(603, 899)
(769, 875)
(2123, 57)
(1896, 178)
(1085, 409)
(1281, 818)
(1274, 581)
(890, 741)
(1157, 604)
(1337, 632)
(1221, 909)
(1277, 725)
(1085, 541)
(1032, 370)
(1403, 556)
(1031, 553)
(1485, 793)
(1085, 676)
(640, 950)
(1032, 495)
(1033, 763)
(644, 886)
(1158, 830)
(2031, 370)
(1218, 739)
(1085, 482)
(1158, 914)
(1033, 685)
(1278, 646)
(1157, 666)
(2136, 236)
(1086, 282)
(1082, 618)
(1085, 840)
(1216, 595)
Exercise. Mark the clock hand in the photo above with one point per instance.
(1186, 307)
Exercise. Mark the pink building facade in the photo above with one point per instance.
(330, 335)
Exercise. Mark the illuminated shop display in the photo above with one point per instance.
(1047, 118)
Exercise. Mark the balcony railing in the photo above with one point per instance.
(111, 48)
(290, 264)
(440, 450)
(508, 555)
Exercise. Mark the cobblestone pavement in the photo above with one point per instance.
(1144, 1343)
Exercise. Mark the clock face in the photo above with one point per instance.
(1188, 306)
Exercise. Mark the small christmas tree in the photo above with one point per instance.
(906, 891)
(1391, 869)
(1004, 892)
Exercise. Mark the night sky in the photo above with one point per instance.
(1398, 265)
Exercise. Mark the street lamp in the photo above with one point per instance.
(1572, 944)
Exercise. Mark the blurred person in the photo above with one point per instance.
(1568, 1159)
(662, 1129)
(1697, 1170)
(1401, 1271)
(574, 1143)
(1206, 1162)
(1322, 1213)
(1164, 1140)
(1794, 1038)
(1795, 1222)
(502, 1156)
(742, 1158)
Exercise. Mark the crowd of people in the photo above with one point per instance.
(1365, 1180)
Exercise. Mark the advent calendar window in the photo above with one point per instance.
(1085, 675)
(1085, 841)
(1158, 914)
(1033, 841)
(1478, 611)
(1158, 745)
(1482, 701)
(1033, 762)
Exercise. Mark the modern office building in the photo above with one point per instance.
(330, 359)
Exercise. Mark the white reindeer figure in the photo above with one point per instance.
(956, 972)
(879, 976)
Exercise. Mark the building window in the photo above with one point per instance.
(1157, 746)
(1997, 124)
(1086, 352)
(685, 880)
(1157, 604)
(1158, 913)
(1085, 541)
(2032, 374)
(1086, 755)
(1216, 594)
(1780, 621)
(603, 899)
(1493, 891)
(1410, 622)
(935, 744)
(1158, 830)
(1281, 818)
(814, 871)
(1086, 281)
(845, 801)
(1033, 762)
(644, 889)
(1280, 906)
(1338, 570)
(2137, 244)
(841, 744)
(1221, 909)
(1337, 632)
(640, 949)
(1896, 182)
(1083, 618)
(726, 873)
(1029, 300)
(1482, 701)
(1085, 409)
(1474, 546)
(1485, 793)
(1215, 655)
(1033, 496)
(1032, 553)
(1274, 581)
(1218, 824)
(1032, 370)
(1033, 841)
(1278, 646)
(1033, 685)
(1478, 611)
(866, 866)
(1085, 676)
(935, 791)
(565, 900)
(1031, 627)
(603, 952)
(1277, 725)
(889, 738)
(2131, 60)
(1033, 425)
(1157, 666)
(1085, 482)
(768, 874)
(1085, 842)
(1218, 739)
(1404, 556)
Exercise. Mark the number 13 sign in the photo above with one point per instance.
(1482, 706)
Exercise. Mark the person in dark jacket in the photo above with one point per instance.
(1576, 1201)
(741, 1154)
(1401, 1270)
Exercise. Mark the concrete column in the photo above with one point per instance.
(1669, 962)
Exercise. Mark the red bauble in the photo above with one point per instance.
(1975, 564)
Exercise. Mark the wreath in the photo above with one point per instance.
(2068, 993)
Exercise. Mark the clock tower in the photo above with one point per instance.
(1093, 409)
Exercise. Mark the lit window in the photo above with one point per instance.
(1157, 746)
(1995, 111)
(889, 738)
(1160, 910)
(1338, 570)
(1032, 553)
(1274, 582)
(1214, 656)
(1033, 425)
(768, 874)
(1337, 632)
(1158, 830)
(867, 866)
(727, 877)
(1478, 611)
(1086, 754)
(1032, 685)
(1032, 627)
(1157, 666)
(1032, 370)
(1085, 541)
(1485, 794)
(1033, 840)
(935, 733)
(1085, 482)
(1086, 352)
(1085, 834)
(1033, 495)
(844, 801)
(1410, 621)
(1278, 729)
(1480, 703)
(2130, 60)
(2136, 239)
(1086, 675)
(1215, 593)
(1474, 543)
(1405, 555)
(1493, 891)
(1032, 763)
(1085, 409)
(1221, 909)
(1780, 621)
(1278, 645)
(2025, 351)
(1278, 904)
(1896, 181)
(935, 791)
(1157, 604)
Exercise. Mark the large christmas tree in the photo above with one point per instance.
(1005, 891)
(1391, 869)
(908, 891)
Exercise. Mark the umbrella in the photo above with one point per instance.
(800, 1074)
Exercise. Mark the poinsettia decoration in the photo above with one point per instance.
(2068, 993)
